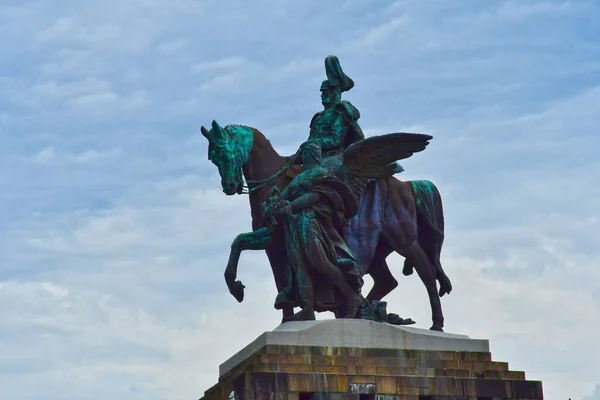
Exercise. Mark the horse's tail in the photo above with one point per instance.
(430, 220)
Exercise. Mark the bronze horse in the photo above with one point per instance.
(405, 217)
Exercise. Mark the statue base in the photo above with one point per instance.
(358, 360)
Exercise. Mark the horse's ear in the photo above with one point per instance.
(207, 134)
(218, 132)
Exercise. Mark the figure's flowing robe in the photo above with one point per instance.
(316, 232)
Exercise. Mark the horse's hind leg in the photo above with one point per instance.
(427, 272)
(383, 280)
(401, 234)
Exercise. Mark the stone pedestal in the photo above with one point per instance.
(360, 360)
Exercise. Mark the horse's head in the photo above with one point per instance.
(228, 149)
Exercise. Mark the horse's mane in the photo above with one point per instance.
(260, 140)
(241, 126)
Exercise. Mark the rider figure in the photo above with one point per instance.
(336, 127)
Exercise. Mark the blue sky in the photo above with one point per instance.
(114, 232)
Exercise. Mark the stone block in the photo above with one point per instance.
(493, 388)
(331, 336)
(238, 385)
(285, 396)
(286, 358)
(495, 374)
(288, 364)
(451, 373)
(311, 383)
(414, 381)
(260, 383)
(343, 383)
(287, 368)
(328, 359)
(433, 386)
(446, 387)
(214, 393)
(386, 384)
(527, 389)
(366, 369)
(469, 387)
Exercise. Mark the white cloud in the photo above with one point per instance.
(68, 29)
(45, 156)
(49, 156)
(225, 63)
(595, 395)
(381, 34)
(174, 46)
(88, 96)
(52, 90)
(92, 101)
(520, 10)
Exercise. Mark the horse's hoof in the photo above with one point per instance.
(445, 285)
(407, 271)
(238, 291)
(436, 328)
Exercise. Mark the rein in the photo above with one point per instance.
(264, 182)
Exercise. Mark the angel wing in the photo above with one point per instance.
(374, 157)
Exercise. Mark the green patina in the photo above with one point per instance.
(336, 127)
(307, 229)
(229, 150)
(232, 146)
(431, 220)
(423, 191)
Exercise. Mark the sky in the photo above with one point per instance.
(114, 231)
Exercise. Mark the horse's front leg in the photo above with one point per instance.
(255, 240)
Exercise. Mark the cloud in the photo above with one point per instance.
(174, 46)
(49, 156)
(45, 156)
(595, 395)
(68, 29)
(516, 10)
(225, 63)
(381, 34)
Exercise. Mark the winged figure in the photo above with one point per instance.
(322, 273)
(375, 157)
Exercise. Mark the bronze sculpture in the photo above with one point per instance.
(405, 217)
